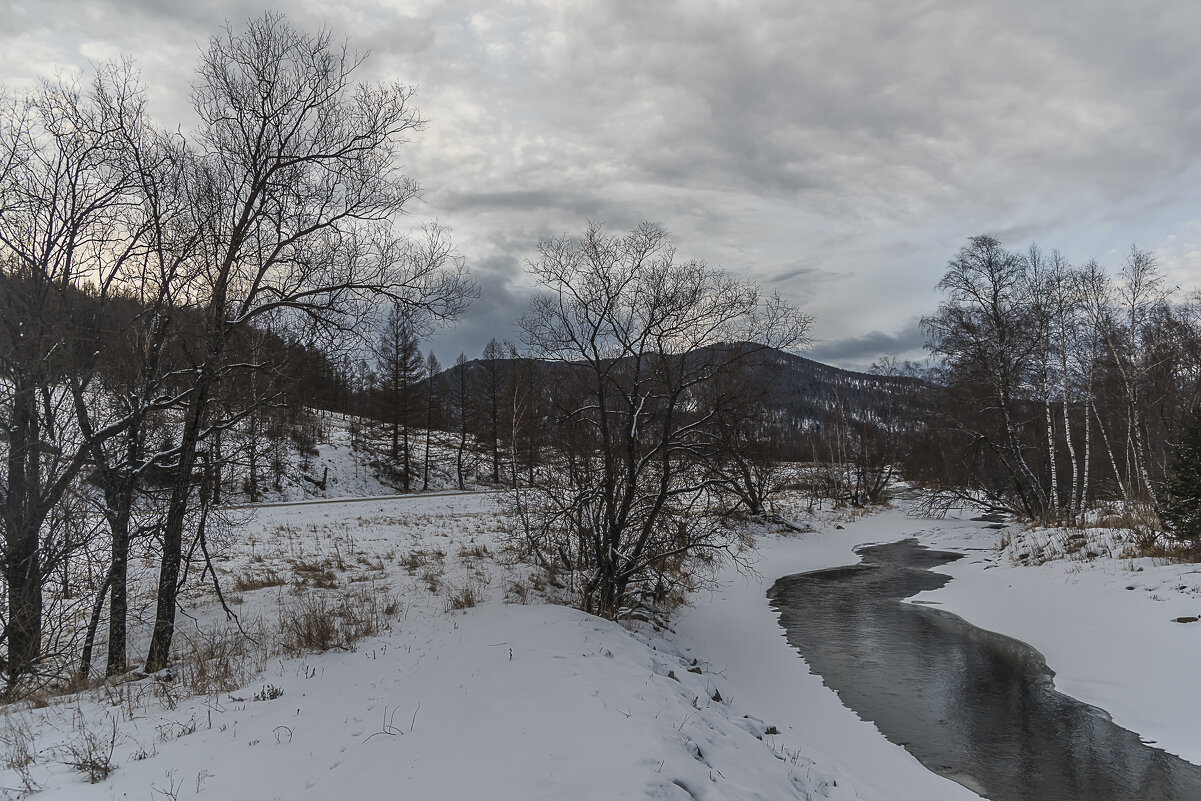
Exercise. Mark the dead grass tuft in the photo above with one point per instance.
(91, 752)
(464, 597)
(315, 622)
(319, 575)
(248, 581)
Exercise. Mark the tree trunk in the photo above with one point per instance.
(89, 640)
(1113, 462)
(118, 605)
(181, 491)
(22, 565)
(459, 456)
(1070, 442)
(23, 576)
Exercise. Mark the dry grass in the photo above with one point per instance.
(318, 574)
(249, 581)
(1102, 538)
(221, 659)
(89, 751)
(18, 739)
(475, 551)
(464, 597)
(418, 558)
(317, 622)
(517, 591)
(432, 578)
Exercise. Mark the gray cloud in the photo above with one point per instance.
(839, 151)
(858, 353)
(501, 301)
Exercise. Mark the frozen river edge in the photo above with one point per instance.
(1116, 648)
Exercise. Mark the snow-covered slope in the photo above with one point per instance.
(492, 700)
(346, 466)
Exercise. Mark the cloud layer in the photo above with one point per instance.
(836, 151)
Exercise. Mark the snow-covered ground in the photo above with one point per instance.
(340, 469)
(1106, 626)
(455, 690)
(450, 677)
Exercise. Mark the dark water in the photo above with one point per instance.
(970, 704)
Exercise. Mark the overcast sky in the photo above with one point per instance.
(839, 151)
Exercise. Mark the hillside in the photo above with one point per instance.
(802, 389)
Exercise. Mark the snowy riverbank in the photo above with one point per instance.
(737, 630)
(456, 690)
(1106, 626)
(460, 691)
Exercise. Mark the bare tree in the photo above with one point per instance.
(986, 332)
(627, 514)
(1062, 388)
(296, 185)
(742, 453)
(136, 381)
(69, 226)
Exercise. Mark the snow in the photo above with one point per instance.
(500, 700)
(738, 632)
(510, 700)
(1107, 627)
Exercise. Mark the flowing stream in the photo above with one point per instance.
(970, 704)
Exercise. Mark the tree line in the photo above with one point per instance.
(1063, 388)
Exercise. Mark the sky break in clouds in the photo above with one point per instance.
(837, 152)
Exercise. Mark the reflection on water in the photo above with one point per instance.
(970, 704)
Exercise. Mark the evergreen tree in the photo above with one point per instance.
(490, 394)
(1180, 498)
(461, 403)
(401, 369)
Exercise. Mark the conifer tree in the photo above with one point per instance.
(1180, 501)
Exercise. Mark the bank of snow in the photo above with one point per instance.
(505, 700)
(1106, 626)
(498, 700)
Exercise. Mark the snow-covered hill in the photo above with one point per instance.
(435, 682)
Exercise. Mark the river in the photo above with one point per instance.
(970, 704)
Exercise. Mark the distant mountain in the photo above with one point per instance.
(808, 390)
(804, 391)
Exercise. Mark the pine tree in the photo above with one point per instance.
(461, 403)
(401, 368)
(1180, 496)
(490, 394)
